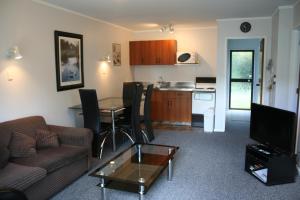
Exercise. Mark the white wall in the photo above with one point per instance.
(275, 27)
(297, 15)
(201, 40)
(282, 60)
(230, 29)
(31, 26)
(285, 62)
(294, 70)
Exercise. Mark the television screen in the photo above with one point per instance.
(273, 127)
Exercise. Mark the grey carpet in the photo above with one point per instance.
(207, 167)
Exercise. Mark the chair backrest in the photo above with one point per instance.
(129, 89)
(90, 110)
(135, 112)
(147, 112)
(147, 102)
(128, 94)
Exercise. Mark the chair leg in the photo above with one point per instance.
(102, 146)
(130, 138)
(146, 139)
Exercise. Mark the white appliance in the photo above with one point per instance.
(203, 103)
(187, 58)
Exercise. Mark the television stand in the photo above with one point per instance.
(270, 166)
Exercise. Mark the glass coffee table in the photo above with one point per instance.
(136, 168)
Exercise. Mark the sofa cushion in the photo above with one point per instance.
(27, 126)
(45, 139)
(20, 177)
(52, 159)
(4, 155)
(21, 145)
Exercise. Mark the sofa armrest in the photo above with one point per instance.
(73, 136)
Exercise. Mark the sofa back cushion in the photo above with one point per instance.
(27, 126)
(22, 145)
(46, 138)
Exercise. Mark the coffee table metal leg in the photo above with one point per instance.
(113, 130)
(170, 170)
(141, 192)
(170, 167)
(103, 189)
(139, 153)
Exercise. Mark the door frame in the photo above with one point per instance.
(230, 73)
(262, 50)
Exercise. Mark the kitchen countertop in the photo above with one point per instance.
(181, 89)
(176, 86)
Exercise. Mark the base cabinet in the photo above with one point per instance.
(172, 106)
(269, 166)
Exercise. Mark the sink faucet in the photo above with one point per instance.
(161, 80)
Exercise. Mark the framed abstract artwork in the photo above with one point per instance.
(116, 54)
(69, 60)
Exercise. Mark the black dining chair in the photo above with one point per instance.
(146, 118)
(128, 94)
(131, 126)
(91, 118)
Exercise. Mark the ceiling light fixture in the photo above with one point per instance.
(167, 28)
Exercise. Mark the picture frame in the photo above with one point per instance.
(69, 60)
(116, 54)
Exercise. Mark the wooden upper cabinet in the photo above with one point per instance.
(135, 52)
(167, 53)
(154, 52)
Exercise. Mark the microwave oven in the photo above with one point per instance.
(187, 58)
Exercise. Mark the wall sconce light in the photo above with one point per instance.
(14, 53)
(106, 59)
(167, 28)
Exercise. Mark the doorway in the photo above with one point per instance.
(245, 77)
(245, 73)
(241, 79)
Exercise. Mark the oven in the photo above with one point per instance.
(203, 103)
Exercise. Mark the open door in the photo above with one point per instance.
(259, 83)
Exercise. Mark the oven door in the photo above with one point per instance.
(202, 101)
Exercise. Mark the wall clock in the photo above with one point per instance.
(245, 27)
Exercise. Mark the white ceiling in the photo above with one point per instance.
(140, 15)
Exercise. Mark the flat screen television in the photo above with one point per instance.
(273, 127)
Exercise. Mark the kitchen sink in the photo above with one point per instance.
(176, 85)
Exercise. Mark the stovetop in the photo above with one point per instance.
(206, 84)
